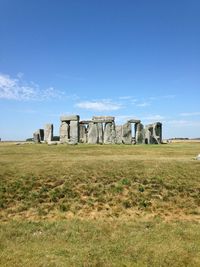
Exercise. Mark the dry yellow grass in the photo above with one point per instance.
(99, 205)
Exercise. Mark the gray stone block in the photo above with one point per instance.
(103, 118)
(109, 133)
(70, 118)
(64, 132)
(48, 133)
(139, 133)
(93, 133)
(118, 129)
(74, 132)
(127, 133)
(134, 121)
(36, 137)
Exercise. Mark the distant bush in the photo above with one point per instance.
(29, 140)
(56, 138)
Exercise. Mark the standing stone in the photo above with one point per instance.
(153, 133)
(74, 132)
(83, 133)
(158, 131)
(139, 133)
(64, 132)
(118, 129)
(41, 134)
(108, 133)
(127, 133)
(147, 135)
(69, 129)
(93, 134)
(100, 133)
(36, 137)
(48, 133)
(113, 133)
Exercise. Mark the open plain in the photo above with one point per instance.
(99, 205)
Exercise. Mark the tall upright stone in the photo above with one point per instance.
(139, 133)
(36, 137)
(127, 133)
(69, 129)
(153, 133)
(41, 134)
(108, 133)
(64, 132)
(118, 129)
(93, 134)
(100, 133)
(74, 132)
(48, 133)
(83, 133)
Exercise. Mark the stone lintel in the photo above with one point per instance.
(69, 118)
(103, 118)
(102, 121)
(153, 124)
(85, 122)
(134, 121)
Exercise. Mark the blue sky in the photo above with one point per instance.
(129, 59)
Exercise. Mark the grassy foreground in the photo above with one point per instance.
(99, 205)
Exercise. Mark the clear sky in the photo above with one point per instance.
(126, 58)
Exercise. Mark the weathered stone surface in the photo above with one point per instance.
(103, 118)
(139, 133)
(153, 133)
(109, 133)
(85, 122)
(48, 132)
(74, 132)
(134, 121)
(64, 132)
(53, 143)
(147, 139)
(83, 133)
(93, 134)
(113, 133)
(198, 157)
(70, 118)
(36, 137)
(118, 129)
(100, 133)
(127, 133)
(41, 134)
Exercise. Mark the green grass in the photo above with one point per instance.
(92, 205)
(97, 243)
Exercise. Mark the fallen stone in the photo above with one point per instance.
(198, 157)
(53, 143)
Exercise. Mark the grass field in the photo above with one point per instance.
(92, 205)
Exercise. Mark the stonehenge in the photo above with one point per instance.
(101, 130)
(48, 133)
(38, 136)
(69, 129)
